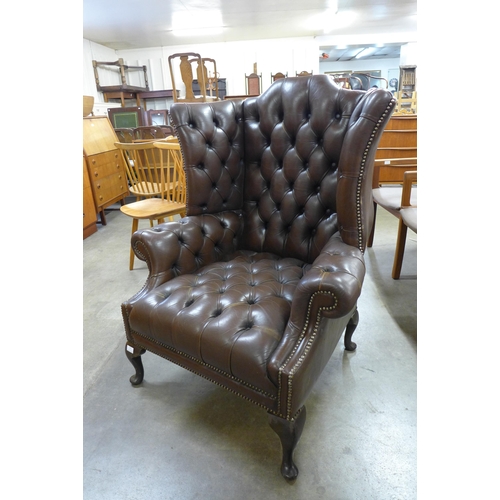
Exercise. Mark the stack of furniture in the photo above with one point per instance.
(104, 163)
(206, 82)
(123, 90)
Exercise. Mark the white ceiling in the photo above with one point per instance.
(131, 24)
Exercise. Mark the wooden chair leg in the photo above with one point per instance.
(135, 226)
(400, 250)
(289, 433)
(351, 326)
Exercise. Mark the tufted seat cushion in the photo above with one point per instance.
(213, 316)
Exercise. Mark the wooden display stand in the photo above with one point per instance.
(397, 150)
(104, 161)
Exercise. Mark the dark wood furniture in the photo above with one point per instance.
(157, 117)
(128, 117)
(105, 165)
(219, 91)
(155, 94)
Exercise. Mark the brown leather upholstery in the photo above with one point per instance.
(255, 286)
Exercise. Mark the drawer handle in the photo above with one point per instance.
(96, 174)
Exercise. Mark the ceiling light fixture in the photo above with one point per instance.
(197, 22)
(367, 51)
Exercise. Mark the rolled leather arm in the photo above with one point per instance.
(329, 288)
(176, 248)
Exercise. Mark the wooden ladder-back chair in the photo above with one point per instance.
(156, 177)
(278, 76)
(253, 84)
(209, 76)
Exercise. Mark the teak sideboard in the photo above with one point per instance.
(105, 166)
(397, 149)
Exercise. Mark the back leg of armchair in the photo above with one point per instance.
(289, 432)
(400, 250)
(369, 243)
(134, 356)
(351, 326)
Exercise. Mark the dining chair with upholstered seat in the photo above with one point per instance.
(389, 197)
(407, 219)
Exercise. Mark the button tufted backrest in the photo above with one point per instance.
(211, 138)
(297, 160)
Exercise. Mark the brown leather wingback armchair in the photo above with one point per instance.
(255, 286)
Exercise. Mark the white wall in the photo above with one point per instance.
(234, 60)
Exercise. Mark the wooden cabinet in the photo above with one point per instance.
(89, 212)
(221, 85)
(107, 176)
(397, 150)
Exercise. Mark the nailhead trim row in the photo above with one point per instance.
(301, 359)
(362, 171)
(202, 363)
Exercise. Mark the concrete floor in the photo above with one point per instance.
(177, 436)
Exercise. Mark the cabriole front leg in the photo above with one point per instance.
(289, 433)
(351, 326)
(134, 356)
